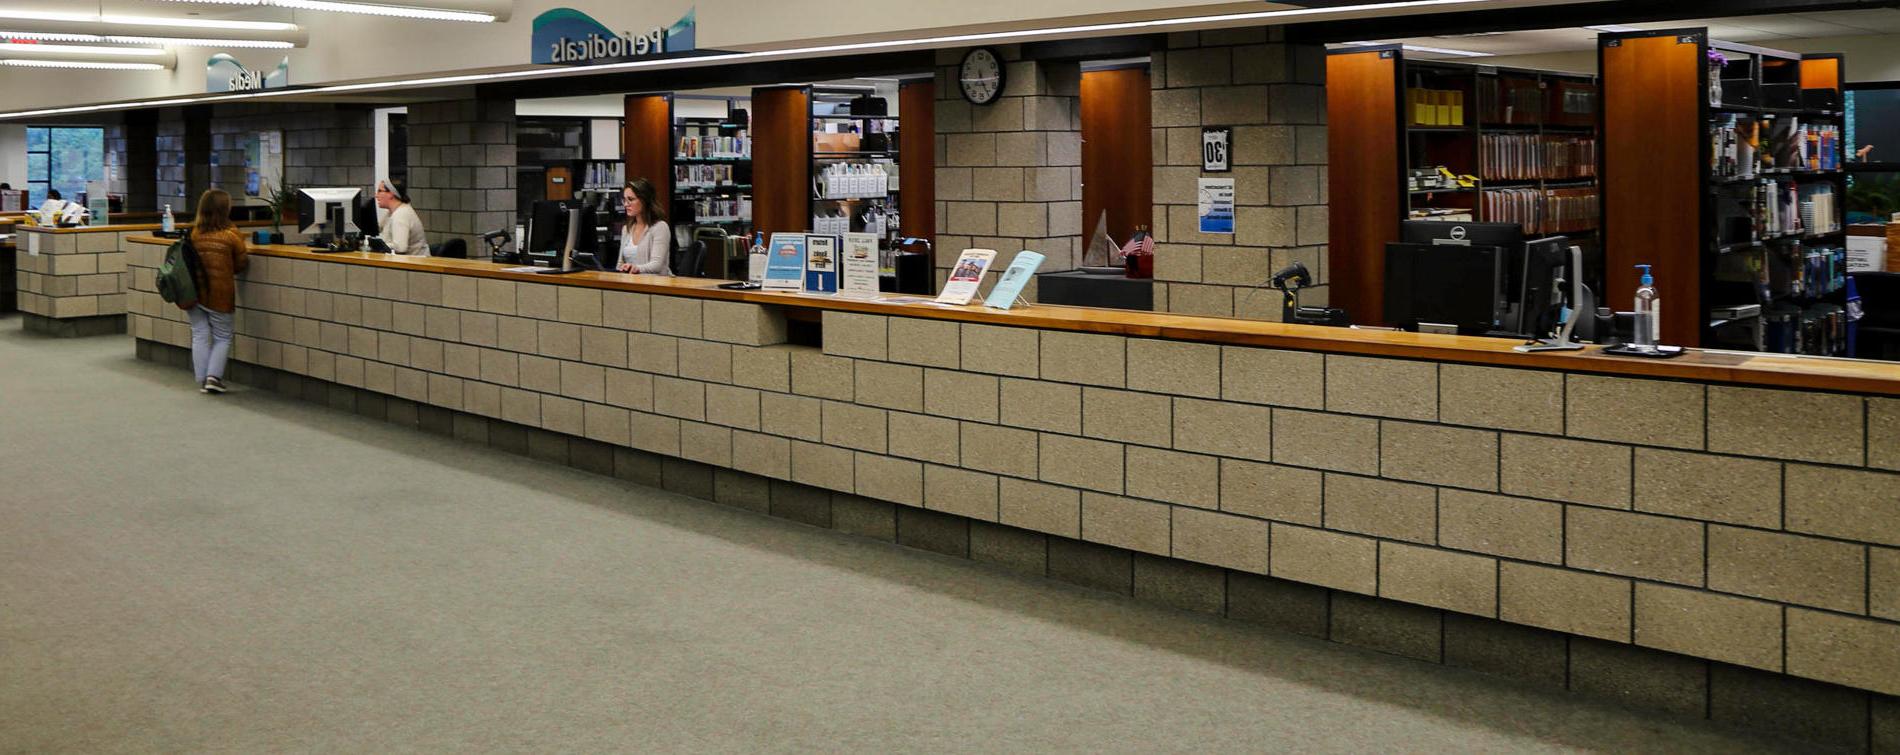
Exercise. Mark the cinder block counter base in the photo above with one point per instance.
(1702, 546)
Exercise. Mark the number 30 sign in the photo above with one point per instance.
(1216, 153)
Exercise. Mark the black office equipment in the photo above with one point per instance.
(1880, 324)
(577, 222)
(550, 233)
(1444, 233)
(363, 215)
(1448, 286)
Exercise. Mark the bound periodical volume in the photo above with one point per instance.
(1532, 157)
(1544, 211)
(1436, 107)
(702, 175)
(714, 142)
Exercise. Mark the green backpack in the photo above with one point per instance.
(177, 282)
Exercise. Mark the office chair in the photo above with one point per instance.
(453, 249)
(690, 261)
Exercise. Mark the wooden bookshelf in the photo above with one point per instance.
(1710, 178)
(1526, 139)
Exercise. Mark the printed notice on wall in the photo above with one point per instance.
(1217, 205)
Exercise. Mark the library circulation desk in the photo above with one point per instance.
(1737, 508)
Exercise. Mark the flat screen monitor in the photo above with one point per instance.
(547, 230)
(1538, 287)
(363, 216)
(1443, 233)
(315, 207)
(1450, 285)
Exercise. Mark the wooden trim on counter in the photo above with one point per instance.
(1704, 366)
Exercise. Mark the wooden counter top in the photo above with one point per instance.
(1709, 366)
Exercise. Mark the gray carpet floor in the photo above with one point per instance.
(249, 574)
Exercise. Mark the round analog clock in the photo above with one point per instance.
(981, 76)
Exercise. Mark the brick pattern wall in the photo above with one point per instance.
(115, 154)
(324, 145)
(1009, 174)
(171, 163)
(462, 168)
(1273, 95)
(1758, 528)
(74, 275)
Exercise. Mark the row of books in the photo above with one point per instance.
(1435, 107)
(1743, 146)
(1785, 206)
(1547, 157)
(702, 176)
(712, 209)
(711, 141)
(1544, 211)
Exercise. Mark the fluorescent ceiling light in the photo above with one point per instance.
(149, 52)
(85, 64)
(1612, 28)
(432, 14)
(1422, 48)
(476, 11)
(262, 44)
(955, 40)
(198, 23)
(50, 37)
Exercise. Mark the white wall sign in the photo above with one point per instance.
(1216, 148)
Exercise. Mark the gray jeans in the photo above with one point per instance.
(210, 342)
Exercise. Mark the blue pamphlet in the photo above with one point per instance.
(1023, 268)
(785, 262)
(821, 264)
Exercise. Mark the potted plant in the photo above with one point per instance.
(283, 206)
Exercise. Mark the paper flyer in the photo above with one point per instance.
(821, 264)
(858, 267)
(966, 276)
(785, 268)
(1217, 205)
(1015, 277)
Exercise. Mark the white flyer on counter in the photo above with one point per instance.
(966, 276)
(860, 267)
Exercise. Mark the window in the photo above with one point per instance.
(63, 159)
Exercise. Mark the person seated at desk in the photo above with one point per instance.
(402, 230)
(50, 210)
(646, 244)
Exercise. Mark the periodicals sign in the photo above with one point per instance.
(1217, 154)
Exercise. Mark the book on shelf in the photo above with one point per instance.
(1538, 157)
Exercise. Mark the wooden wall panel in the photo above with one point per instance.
(1364, 169)
(1117, 151)
(647, 143)
(781, 159)
(917, 158)
(1652, 155)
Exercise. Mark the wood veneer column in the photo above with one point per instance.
(781, 159)
(1117, 139)
(1652, 153)
(646, 142)
(917, 158)
(1362, 159)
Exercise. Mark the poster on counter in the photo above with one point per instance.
(785, 268)
(859, 267)
(966, 276)
(821, 264)
(1217, 205)
(1015, 277)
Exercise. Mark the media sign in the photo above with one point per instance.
(224, 73)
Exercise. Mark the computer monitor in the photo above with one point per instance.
(1453, 233)
(1538, 286)
(1447, 286)
(318, 209)
(363, 215)
(547, 231)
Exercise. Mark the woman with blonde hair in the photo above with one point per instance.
(222, 254)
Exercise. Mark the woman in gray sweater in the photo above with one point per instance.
(646, 245)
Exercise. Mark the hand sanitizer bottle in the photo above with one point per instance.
(1648, 329)
(755, 262)
(165, 222)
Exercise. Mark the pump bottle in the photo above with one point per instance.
(1648, 330)
(166, 223)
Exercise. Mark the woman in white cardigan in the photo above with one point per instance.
(646, 245)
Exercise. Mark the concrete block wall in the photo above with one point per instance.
(1273, 94)
(1009, 174)
(171, 163)
(324, 145)
(74, 275)
(462, 168)
(1691, 519)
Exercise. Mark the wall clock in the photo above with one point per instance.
(981, 76)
